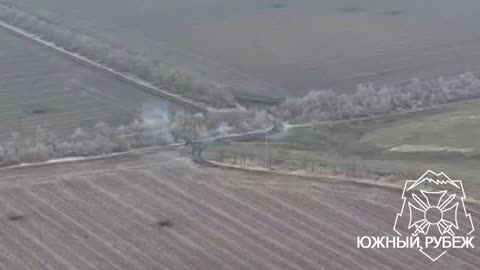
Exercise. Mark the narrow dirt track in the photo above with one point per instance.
(105, 214)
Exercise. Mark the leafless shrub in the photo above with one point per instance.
(370, 100)
(152, 128)
(10, 157)
(259, 120)
(189, 127)
(34, 153)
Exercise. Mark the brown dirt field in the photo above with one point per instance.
(41, 88)
(283, 47)
(106, 214)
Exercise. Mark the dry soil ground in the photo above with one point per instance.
(287, 46)
(112, 213)
(40, 88)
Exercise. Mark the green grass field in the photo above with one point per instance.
(457, 128)
(451, 129)
(440, 140)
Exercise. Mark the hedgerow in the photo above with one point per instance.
(171, 79)
(369, 100)
(146, 131)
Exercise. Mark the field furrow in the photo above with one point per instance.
(41, 88)
(162, 211)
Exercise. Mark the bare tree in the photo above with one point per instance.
(370, 100)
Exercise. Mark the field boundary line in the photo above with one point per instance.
(126, 78)
(64, 160)
(199, 146)
(333, 179)
(320, 178)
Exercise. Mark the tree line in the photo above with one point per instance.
(173, 79)
(145, 131)
(370, 100)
